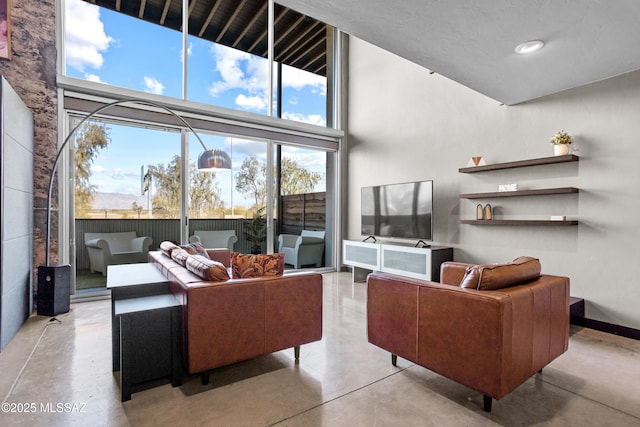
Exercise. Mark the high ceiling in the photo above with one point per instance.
(472, 42)
(299, 41)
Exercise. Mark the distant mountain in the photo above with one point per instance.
(118, 201)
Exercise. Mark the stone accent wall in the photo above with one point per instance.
(31, 72)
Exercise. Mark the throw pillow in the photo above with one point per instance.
(180, 256)
(471, 277)
(195, 248)
(498, 276)
(206, 268)
(243, 265)
(167, 247)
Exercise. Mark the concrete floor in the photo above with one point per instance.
(57, 372)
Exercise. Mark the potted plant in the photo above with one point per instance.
(255, 230)
(561, 141)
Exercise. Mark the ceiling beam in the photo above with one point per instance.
(212, 13)
(143, 4)
(297, 40)
(250, 24)
(165, 10)
(240, 24)
(231, 20)
(318, 57)
(264, 33)
(192, 4)
(320, 68)
(288, 31)
(296, 50)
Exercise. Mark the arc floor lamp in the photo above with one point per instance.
(54, 281)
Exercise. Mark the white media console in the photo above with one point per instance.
(420, 263)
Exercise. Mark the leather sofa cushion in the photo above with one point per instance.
(244, 266)
(498, 276)
(206, 268)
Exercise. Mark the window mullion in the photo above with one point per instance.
(184, 186)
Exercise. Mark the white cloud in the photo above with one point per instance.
(85, 38)
(310, 159)
(240, 70)
(293, 100)
(314, 119)
(93, 78)
(243, 71)
(118, 173)
(297, 79)
(229, 64)
(113, 173)
(257, 103)
(248, 147)
(152, 85)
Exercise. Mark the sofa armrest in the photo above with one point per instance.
(451, 272)
(287, 240)
(98, 244)
(308, 240)
(220, 255)
(141, 244)
(293, 311)
(392, 314)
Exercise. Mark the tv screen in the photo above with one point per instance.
(398, 210)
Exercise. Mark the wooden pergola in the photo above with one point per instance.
(300, 41)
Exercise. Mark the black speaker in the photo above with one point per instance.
(54, 283)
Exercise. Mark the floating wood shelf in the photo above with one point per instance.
(540, 192)
(517, 222)
(521, 163)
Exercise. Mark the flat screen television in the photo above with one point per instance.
(398, 210)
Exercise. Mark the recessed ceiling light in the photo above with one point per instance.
(529, 47)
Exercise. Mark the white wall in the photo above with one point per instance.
(405, 124)
(16, 225)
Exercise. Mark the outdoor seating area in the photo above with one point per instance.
(115, 248)
(212, 239)
(303, 250)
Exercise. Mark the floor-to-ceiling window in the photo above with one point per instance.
(304, 196)
(126, 177)
(220, 84)
(105, 46)
(139, 45)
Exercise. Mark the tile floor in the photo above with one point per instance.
(57, 372)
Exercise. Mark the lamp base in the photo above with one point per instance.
(54, 283)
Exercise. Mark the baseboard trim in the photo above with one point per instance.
(610, 328)
(576, 311)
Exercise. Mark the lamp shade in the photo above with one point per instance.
(214, 159)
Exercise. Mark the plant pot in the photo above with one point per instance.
(560, 149)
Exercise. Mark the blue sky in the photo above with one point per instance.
(115, 49)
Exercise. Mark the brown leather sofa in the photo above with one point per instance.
(489, 340)
(239, 319)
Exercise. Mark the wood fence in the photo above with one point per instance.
(303, 212)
